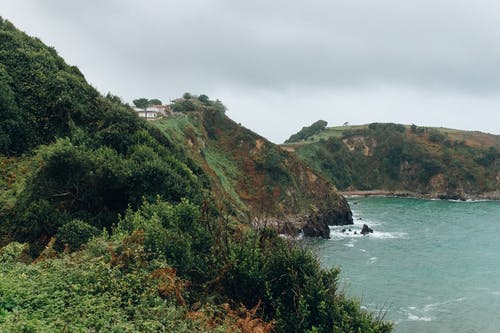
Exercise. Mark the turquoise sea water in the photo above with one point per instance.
(432, 266)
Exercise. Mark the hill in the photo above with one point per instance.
(406, 160)
(259, 181)
(109, 223)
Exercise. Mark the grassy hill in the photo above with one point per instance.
(435, 162)
(109, 223)
(259, 181)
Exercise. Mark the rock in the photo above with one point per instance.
(340, 215)
(289, 229)
(452, 196)
(366, 230)
(316, 228)
(350, 229)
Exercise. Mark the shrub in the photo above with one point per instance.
(13, 252)
(307, 132)
(76, 233)
(436, 136)
(174, 233)
(292, 287)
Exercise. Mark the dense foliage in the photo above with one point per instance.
(307, 132)
(91, 291)
(190, 103)
(417, 159)
(144, 102)
(107, 225)
(158, 265)
(94, 157)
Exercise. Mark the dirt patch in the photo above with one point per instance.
(259, 144)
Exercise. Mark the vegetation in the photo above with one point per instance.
(110, 224)
(255, 179)
(307, 132)
(417, 159)
(143, 103)
(190, 103)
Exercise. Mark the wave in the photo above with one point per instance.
(413, 317)
(432, 306)
(336, 234)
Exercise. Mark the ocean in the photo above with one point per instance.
(429, 266)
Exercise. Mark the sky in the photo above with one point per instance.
(283, 64)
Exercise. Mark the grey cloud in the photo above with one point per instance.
(292, 49)
(425, 44)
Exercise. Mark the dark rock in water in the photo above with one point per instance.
(452, 196)
(316, 228)
(343, 230)
(360, 218)
(366, 230)
(355, 232)
(289, 229)
(350, 229)
(340, 215)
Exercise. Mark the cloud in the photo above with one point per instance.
(431, 54)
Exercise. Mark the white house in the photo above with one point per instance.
(153, 112)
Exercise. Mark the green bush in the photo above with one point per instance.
(174, 233)
(12, 252)
(294, 290)
(76, 233)
(84, 293)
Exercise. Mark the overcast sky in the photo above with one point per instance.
(279, 65)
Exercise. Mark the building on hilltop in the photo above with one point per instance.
(153, 112)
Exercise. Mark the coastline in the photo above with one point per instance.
(492, 196)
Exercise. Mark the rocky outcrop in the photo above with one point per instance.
(366, 230)
(316, 228)
(341, 214)
(289, 229)
(317, 224)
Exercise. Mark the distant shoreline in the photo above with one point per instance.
(493, 196)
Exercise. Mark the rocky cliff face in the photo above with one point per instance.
(255, 178)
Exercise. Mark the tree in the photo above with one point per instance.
(204, 99)
(308, 131)
(141, 103)
(154, 101)
(413, 128)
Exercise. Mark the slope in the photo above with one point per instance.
(259, 181)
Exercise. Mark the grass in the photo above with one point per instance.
(225, 170)
(177, 128)
(13, 174)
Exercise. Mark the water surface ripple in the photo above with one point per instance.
(432, 266)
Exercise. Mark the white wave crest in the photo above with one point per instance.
(337, 233)
(413, 317)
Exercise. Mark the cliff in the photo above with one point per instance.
(260, 182)
(406, 160)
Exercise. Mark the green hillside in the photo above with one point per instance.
(435, 162)
(257, 179)
(112, 224)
